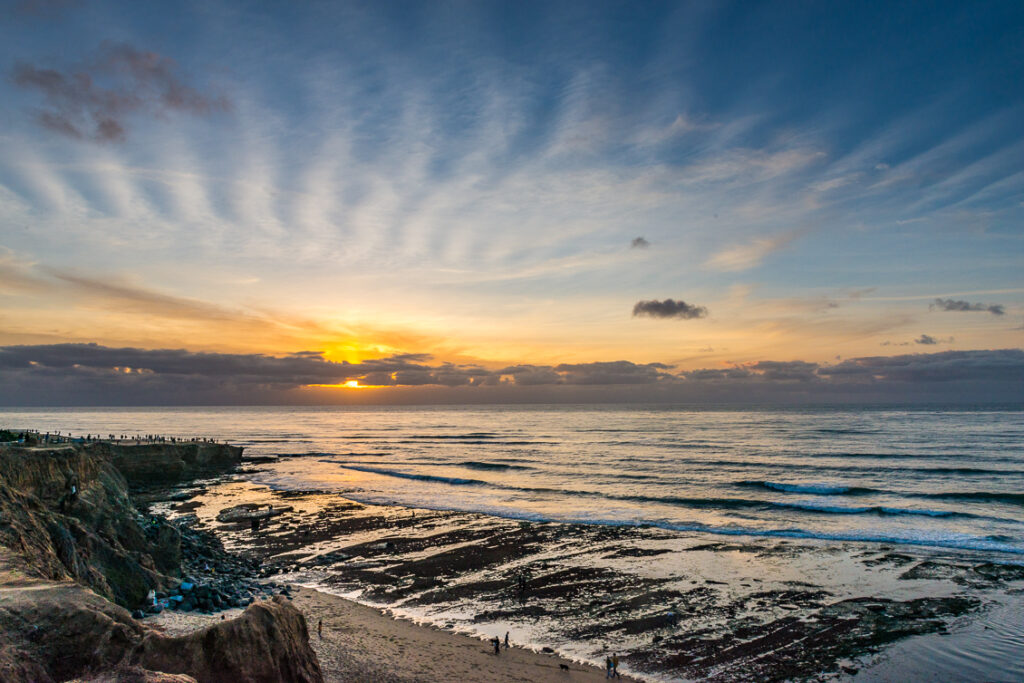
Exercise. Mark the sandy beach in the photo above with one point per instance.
(362, 644)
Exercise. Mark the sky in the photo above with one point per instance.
(231, 202)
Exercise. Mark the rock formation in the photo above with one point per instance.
(73, 545)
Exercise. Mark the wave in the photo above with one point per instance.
(994, 496)
(937, 539)
(488, 442)
(713, 503)
(871, 510)
(455, 481)
(843, 430)
(860, 454)
(470, 435)
(818, 489)
(325, 454)
(478, 465)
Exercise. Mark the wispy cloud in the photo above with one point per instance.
(746, 256)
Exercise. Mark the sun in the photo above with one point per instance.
(353, 384)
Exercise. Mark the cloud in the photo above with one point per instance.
(954, 305)
(766, 370)
(794, 370)
(614, 372)
(926, 339)
(90, 374)
(233, 377)
(669, 308)
(93, 99)
(744, 256)
(639, 243)
(1001, 365)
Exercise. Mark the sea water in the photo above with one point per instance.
(944, 478)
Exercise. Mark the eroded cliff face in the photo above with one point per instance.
(55, 631)
(162, 464)
(65, 560)
(96, 537)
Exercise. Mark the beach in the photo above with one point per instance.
(361, 644)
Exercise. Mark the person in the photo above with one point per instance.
(320, 628)
(506, 640)
(608, 667)
(497, 645)
(70, 491)
(615, 665)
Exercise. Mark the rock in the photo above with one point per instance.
(135, 674)
(268, 642)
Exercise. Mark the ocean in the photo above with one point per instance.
(928, 477)
(725, 544)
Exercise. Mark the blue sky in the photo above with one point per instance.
(467, 180)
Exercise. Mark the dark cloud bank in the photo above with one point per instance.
(93, 99)
(89, 374)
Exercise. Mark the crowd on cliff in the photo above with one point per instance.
(31, 438)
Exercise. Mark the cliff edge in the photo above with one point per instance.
(75, 552)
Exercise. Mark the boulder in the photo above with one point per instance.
(269, 642)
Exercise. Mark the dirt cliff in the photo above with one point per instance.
(96, 537)
(72, 544)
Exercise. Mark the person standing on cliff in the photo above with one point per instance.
(70, 491)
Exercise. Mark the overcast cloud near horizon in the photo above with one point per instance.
(510, 201)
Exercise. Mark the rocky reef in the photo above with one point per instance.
(76, 554)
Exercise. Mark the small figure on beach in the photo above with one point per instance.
(608, 667)
(506, 640)
(615, 665)
(496, 641)
(320, 628)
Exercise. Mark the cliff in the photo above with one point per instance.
(98, 540)
(161, 464)
(71, 564)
